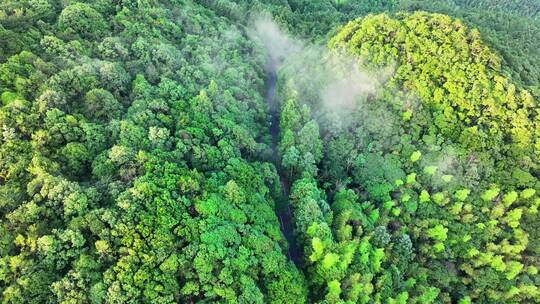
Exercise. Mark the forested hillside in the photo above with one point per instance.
(281, 151)
(417, 196)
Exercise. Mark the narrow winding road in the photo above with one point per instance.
(283, 210)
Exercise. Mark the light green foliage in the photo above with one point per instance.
(512, 217)
(513, 268)
(497, 263)
(318, 249)
(411, 178)
(490, 194)
(527, 193)
(415, 156)
(424, 196)
(509, 198)
(438, 198)
(461, 195)
(334, 290)
(330, 260)
(438, 232)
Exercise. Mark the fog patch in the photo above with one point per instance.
(343, 89)
(278, 45)
(329, 80)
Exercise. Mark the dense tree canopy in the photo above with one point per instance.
(142, 159)
(130, 169)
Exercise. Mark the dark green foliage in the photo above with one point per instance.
(81, 19)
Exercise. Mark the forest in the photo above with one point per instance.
(269, 151)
